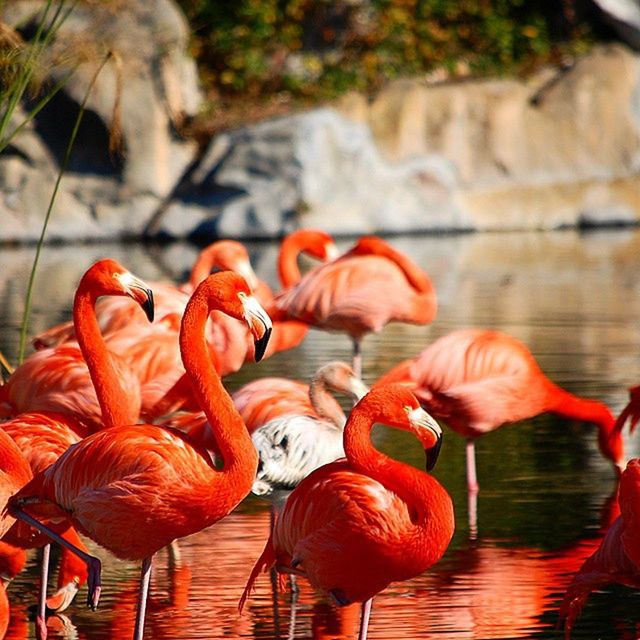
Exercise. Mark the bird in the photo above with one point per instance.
(115, 314)
(478, 380)
(229, 339)
(292, 445)
(355, 525)
(69, 378)
(361, 291)
(617, 559)
(65, 379)
(14, 473)
(133, 489)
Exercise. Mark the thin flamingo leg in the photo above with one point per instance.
(357, 358)
(364, 619)
(145, 578)
(472, 478)
(94, 566)
(41, 618)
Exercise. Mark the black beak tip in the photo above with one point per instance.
(433, 454)
(261, 345)
(147, 306)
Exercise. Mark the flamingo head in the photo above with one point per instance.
(319, 244)
(109, 278)
(225, 255)
(341, 377)
(230, 293)
(400, 408)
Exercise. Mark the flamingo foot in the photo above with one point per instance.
(94, 583)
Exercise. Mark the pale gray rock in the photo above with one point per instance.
(314, 169)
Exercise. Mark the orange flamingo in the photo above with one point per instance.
(14, 473)
(43, 438)
(478, 380)
(118, 313)
(112, 485)
(360, 292)
(229, 339)
(617, 559)
(354, 526)
(64, 379)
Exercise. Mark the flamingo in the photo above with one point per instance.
(478, 380)
(113, 485)
(292, 445)
(354, 526)
(229, 339)
(118, 313)
(64, 379)
(360, 292)
(617, 559)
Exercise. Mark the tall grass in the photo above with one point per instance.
(21, 67)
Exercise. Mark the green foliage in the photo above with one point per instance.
(319, 48)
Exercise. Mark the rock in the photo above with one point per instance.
(149, 79)
(313, 169)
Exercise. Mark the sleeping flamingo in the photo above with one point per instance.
(478, 380)
(354, 526)
(293, 444)
(113, 485)
(360, 292)
(617, 559)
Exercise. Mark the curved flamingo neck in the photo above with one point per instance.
(566, 405)
(202, 267)
(112, 397)
(324, 403)
(416, 277)
(231, 435)
(425, 498)
(288, 269)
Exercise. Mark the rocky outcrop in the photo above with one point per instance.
(560, 149)
(147, 87)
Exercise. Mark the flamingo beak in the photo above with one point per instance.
(259, 323)
(140, 292)
(331, 251)
(429, 433)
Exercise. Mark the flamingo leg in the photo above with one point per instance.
(145, 578)
(472, 489)
(472, 478)
(364, 618)
(294, 607)
(41, 618)
(175, 554)
(94, 566)
(357, 358)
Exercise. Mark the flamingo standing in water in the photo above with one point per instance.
(113, 485)
(354, 526)
(478, 380)
(360, 292)
(617, 559)
(43, 436)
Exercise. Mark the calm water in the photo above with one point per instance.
(573, 298)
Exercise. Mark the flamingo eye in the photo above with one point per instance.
(242, 295)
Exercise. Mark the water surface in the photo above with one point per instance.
(573, 298)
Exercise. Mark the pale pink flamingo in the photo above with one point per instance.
(354, 526)
(478, 380)
(293, 444)
(360, 292)
(85, 485)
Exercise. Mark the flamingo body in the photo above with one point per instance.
(617, 559)
(354, 526)
(478, 380)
